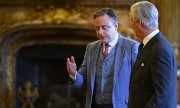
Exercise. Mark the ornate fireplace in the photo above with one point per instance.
(37, 54)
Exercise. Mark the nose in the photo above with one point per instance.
(100, 31)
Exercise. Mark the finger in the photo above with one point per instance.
(67, 63)
(68, 60)
(72, 59)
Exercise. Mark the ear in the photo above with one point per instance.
(140, 25)
(116, 25)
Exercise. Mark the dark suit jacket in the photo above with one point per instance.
(154, 75)
(125, 56)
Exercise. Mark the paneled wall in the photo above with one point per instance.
(169, 22)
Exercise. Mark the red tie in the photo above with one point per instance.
(106, 50)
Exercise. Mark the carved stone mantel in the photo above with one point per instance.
(14, 39)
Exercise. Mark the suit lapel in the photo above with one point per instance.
(142, 56)
(119, 54)
(95, 52)
(138, 61)
(137, 64)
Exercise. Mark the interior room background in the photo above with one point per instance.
(36, 37)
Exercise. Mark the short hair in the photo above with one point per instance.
(146, 13)
(106, 11)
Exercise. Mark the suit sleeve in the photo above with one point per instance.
(162, 77)
(82, 72)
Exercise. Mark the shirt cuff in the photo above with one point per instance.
(73, 77)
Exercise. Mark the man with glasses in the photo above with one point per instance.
(107, 64)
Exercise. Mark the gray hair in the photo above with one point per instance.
(146, 13)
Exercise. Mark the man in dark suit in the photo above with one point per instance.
(154, 74)
(106, 76)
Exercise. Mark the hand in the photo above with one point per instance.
(71, 66)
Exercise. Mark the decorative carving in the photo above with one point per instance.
(28, 95)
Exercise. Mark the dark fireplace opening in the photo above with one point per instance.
(44, 66)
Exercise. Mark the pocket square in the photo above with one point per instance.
(142, 64)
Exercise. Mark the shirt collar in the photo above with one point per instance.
(114, 41)
(150, 36)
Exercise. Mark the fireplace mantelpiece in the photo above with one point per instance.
(14, 39)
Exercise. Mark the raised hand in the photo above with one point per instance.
(71, 66)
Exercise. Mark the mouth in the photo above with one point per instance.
(103, 38)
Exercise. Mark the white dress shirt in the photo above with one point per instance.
(150, 36)
(111, 44)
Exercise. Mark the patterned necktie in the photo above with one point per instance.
(106, 50)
